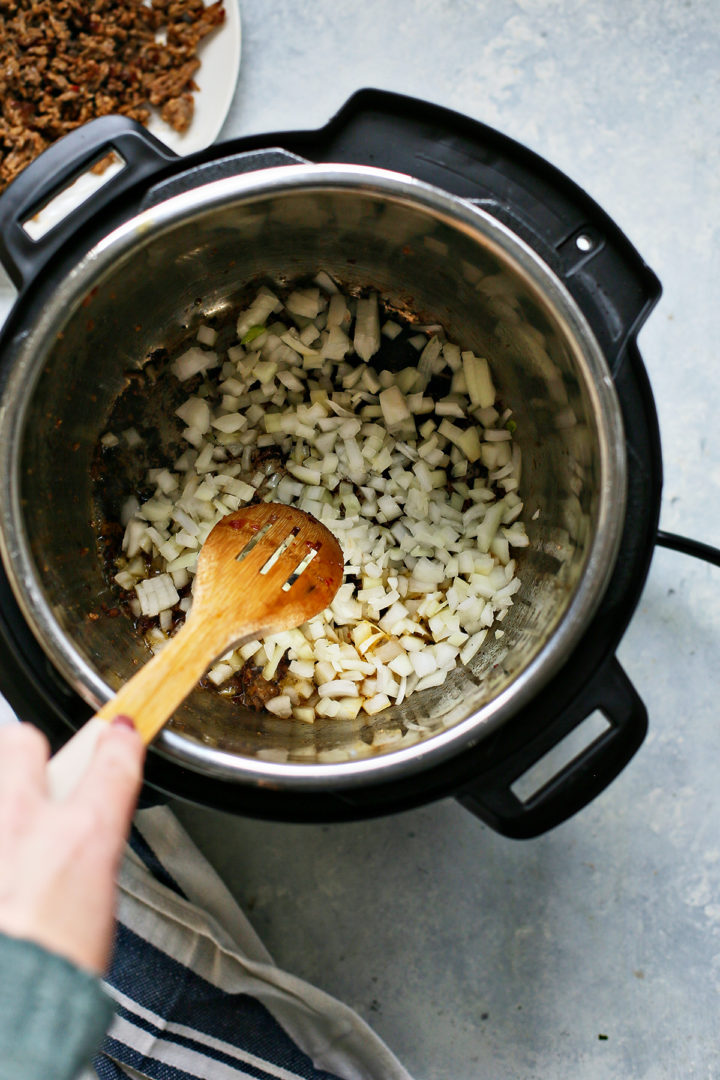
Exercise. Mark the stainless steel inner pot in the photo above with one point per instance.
(150, 283)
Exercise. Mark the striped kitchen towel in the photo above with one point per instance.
(197, 994)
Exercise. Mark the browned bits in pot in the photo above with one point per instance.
(64, 62)
(248, 687)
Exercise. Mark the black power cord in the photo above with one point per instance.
(688, 547)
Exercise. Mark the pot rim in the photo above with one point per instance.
(33, 347)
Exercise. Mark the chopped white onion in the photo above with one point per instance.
(427, 546)
(256, 315)
(367, 328)
(477, 378)
(194, 361)
(206, 335)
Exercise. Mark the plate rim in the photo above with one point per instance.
(225, 93)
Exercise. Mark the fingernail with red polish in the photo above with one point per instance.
(124, 721)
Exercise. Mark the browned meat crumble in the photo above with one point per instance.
(64, 62)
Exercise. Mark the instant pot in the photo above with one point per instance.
(451, 222)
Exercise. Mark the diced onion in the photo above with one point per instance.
(297, 414)
(206, 335)
(156, 594)
(263, 305)
(194, 361)
(367, 328)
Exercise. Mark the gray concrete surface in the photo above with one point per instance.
(593, 952)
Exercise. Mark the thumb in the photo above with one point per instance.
(111, 785)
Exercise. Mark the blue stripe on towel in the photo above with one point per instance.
(143, 850)
(107, 1069)
(151, 1067)
(166, 987)
(235, 1061)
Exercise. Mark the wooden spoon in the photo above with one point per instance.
(261, 570)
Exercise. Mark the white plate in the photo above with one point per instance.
(216, 79)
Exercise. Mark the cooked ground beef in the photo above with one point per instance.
(64, 62)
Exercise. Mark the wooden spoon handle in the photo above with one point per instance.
(149, 699)
(156, 690)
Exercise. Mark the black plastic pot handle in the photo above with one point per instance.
(54, 170)
(614, 288)
(491, 798)
(606, 275)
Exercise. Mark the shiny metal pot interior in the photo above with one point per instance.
(150, 283)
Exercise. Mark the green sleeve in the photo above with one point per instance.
(53, 1015)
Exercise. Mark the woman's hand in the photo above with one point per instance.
(58, 860)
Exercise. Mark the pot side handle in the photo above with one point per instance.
(55, 170)
(491, 796)
(613, 285)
